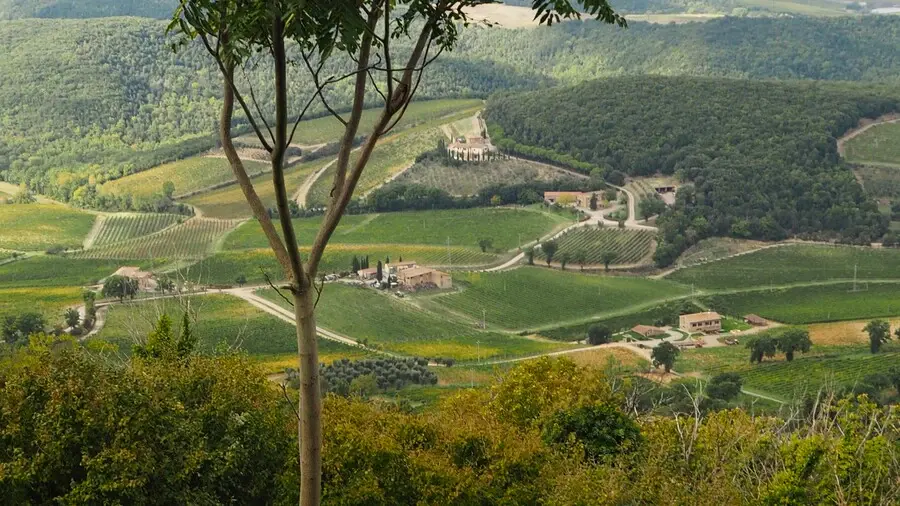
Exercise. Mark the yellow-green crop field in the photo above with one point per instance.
(39, 226)
(190, 174)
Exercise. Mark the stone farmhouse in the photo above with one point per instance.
(416, 277)
(144, 279)
(709, 321)
(470, 149)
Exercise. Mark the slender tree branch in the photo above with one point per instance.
(240, 172)
(277, 290)
(281, 199)
(229, 77)
(262, 116)
(343, 190)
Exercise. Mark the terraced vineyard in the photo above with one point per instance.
(629, 246)
(187, 175)
(467, 178)
(363, 313)
(811, 304)
(531, 297)
(880, 145)
(121, 227)
(832, 366)
(793, 264)
(193, 239)
(225, 266)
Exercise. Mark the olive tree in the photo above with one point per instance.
(308, 34)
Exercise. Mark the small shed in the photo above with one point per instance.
(756, 320)
(648, 330)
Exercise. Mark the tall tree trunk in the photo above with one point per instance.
(310, 428)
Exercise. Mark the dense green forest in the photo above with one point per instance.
(84, 101)
(761, 156)
(16, 9)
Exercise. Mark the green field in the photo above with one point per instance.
(224, 267)
(879, 144)
(462, 227)
(219, 320)
(40, 226)
(327, 129)
(630, 246)
(121, 227)
(532, 297)
(399, 326)
(391, 155)
(462, 178)
(193, 239)
(823, 366)
(230, 203)
(793, 264)
(812, 304)
(880, 181)
(188, 175)
(52, 270)
(49, 301)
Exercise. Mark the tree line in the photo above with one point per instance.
(756, 159)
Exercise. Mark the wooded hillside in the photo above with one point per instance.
(761, 156)
(84, 101)
(15, 9)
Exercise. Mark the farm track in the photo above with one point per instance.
(95, 231)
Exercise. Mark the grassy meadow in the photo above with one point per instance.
(219, 321)
(463, 227)
(54, 270)
(532, 297)
(189, 174)
(391, 155)
(399, 326)
(230, 203)
(50, 301)
(801, 263)
(32, 227)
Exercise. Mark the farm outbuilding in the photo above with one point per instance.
(579, 199)
(367, 273)
(395, 267)
(648, 330)
(756, 320)
(709, 321)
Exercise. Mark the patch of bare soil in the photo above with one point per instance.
(842, 333)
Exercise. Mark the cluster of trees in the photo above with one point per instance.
(172, 426)
(366, 377)
(760, 158)
(788, 341)
(120, 287)
(17, 329)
